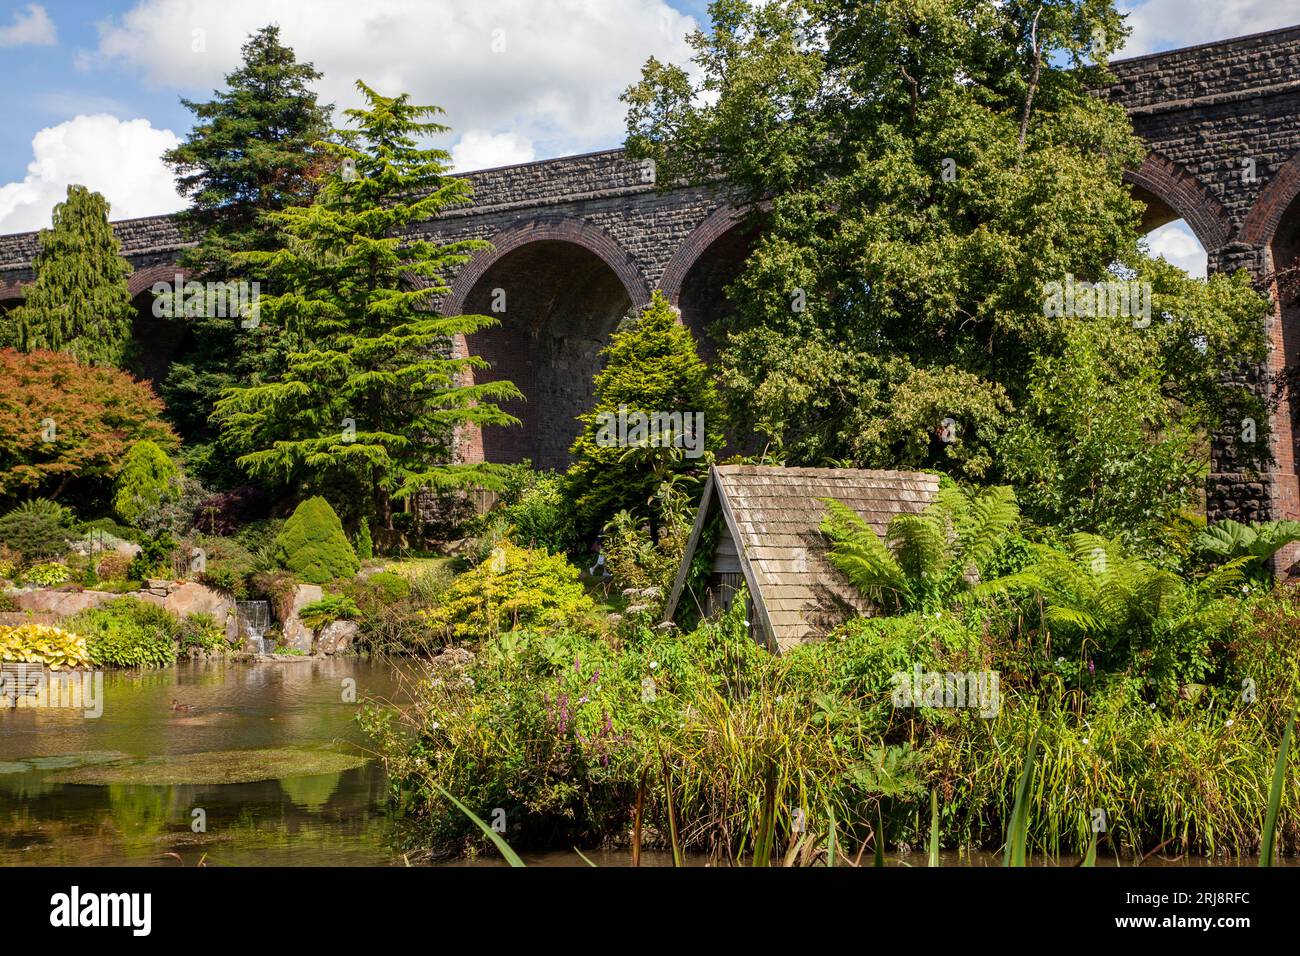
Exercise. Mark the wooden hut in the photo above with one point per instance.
(761, 526)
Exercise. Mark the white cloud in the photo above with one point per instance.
(121, 159)
(1166, 24)
(32, 26)
(1177, 244)
(547, 73)
(481, 150)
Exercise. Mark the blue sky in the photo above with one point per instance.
(92, 89)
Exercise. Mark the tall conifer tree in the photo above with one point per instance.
(372, 396)
(656, 415)
(79, 303)
(251, 152)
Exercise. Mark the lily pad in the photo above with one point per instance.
(213, 767)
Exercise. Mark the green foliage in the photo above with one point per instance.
(54, 647)
(379, 589)
(918, 176)
(154, 558)
(1110, 612)
(1230, 540)
(250, 152)
(312, 544)
(36, 529)
(538, 510)
(365, 547)
(640, 566)
(202, 633)
(148, 480)
(46, 575)
(79, 303)
(331, 608)
(230, 566)
(369, 401)
(928, 559)
(127, 633)
(651, 369)
(515, 588)
(564, 730)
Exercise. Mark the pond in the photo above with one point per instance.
(304, 710)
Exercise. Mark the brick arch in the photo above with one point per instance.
(1261, 223)
(716, 224)
(551, 229)
(142, 281)
(1185, 195)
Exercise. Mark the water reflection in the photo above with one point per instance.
(335, 819)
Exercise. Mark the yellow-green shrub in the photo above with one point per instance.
(514, 588)
(42, 644)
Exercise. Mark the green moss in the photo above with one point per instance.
(312, 544)
(216, 767)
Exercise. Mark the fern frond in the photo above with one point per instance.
(860, 555)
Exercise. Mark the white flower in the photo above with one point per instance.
(1085, 741)
(654, 665)
(435, 726)
(1228, 722)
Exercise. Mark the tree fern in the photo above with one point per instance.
(1110, 610)
(928, 558)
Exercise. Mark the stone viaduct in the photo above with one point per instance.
(578, 241)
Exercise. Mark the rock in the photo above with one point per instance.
(297, 634)
(180, 599)
(60, 603)
(337, 638)
(194, 598)
(450, 657)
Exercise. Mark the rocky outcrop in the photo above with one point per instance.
(60, 603)
(180, 598)
(337, 638)
(297, 635)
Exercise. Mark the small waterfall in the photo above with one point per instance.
(254, 619)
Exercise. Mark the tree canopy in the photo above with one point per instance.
(922, 176)
(61, 421)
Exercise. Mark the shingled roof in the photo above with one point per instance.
(774, 517)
